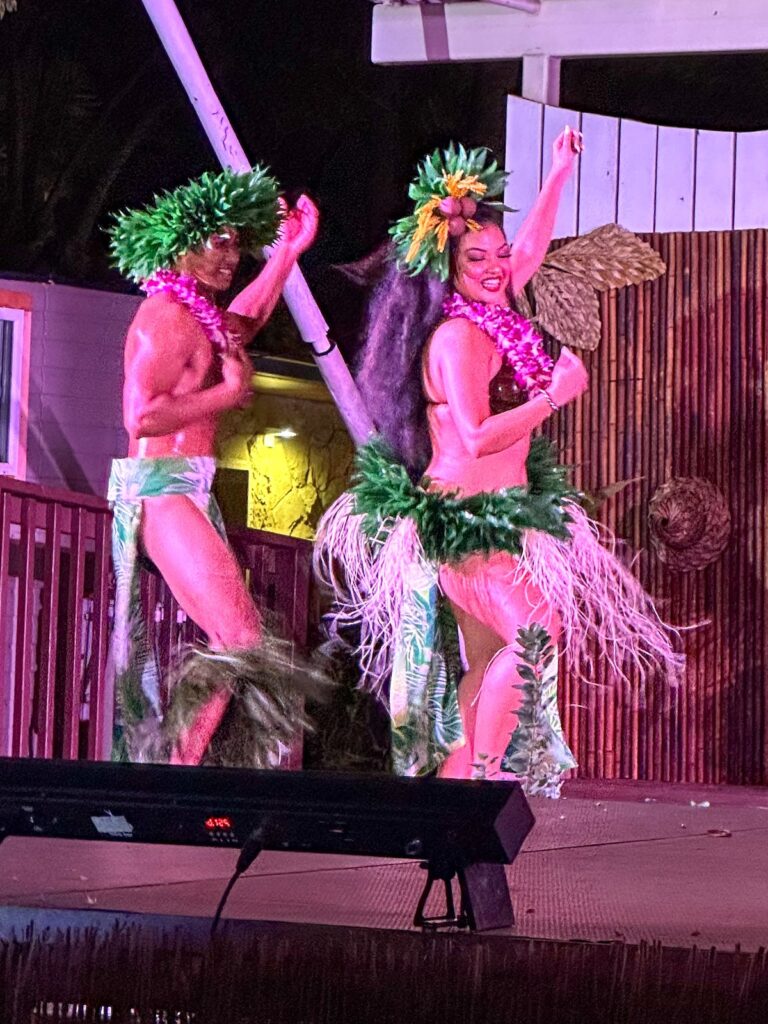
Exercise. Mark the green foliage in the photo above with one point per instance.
(352, 727)
(536, 652)
(450, 526)
(152, 238)
(432, 180)
(537, 752)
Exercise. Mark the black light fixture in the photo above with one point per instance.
(467, 830)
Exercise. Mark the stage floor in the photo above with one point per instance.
(611, 860)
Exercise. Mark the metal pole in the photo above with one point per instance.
(309, 320)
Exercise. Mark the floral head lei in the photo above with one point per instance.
(447, 189)
(150, 239)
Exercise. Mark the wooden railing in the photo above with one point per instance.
(56, 607)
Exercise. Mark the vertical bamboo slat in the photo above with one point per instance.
(738, 733)
(685, 383)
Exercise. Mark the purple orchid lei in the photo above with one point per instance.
(209, 316)
(515, 338)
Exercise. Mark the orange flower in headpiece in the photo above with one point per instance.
(460, 185)
(447, 189)
(431, 219)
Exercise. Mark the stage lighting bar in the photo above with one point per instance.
(458, 828)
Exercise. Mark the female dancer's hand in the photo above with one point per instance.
(569, 378)
(566, 149)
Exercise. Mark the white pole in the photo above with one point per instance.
(309, 320)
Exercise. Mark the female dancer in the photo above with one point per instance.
(457, 383)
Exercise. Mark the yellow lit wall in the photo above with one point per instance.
(291, 480)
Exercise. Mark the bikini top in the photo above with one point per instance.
(503, 393)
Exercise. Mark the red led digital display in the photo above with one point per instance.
(214, 823)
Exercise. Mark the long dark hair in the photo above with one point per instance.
(402, 314)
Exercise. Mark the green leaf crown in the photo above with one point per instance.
(152, 238)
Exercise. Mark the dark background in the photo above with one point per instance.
(92, 118)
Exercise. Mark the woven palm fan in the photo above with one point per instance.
(562, 295)
(690, 523)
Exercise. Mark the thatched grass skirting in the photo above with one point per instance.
(306, 974)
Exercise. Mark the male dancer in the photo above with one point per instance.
(185, 364)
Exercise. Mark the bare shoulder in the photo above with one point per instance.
(160, 309)
(161, 321)
(459, 337)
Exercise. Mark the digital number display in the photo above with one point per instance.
(215, 823)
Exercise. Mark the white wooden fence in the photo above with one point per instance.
(643, 176)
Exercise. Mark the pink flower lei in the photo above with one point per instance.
(515, 338)
(209, 316)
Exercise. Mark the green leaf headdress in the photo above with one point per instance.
(152, 238)
(447, 188)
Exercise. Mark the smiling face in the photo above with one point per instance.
(214, 263)
(482, 266)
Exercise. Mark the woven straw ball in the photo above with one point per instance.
(690, 523)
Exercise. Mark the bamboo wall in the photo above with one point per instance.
(678, 389)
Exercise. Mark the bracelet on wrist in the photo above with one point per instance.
(552, 403)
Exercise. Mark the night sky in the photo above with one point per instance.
(92, 118)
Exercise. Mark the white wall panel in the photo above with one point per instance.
(647, 178)
(598, 172)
